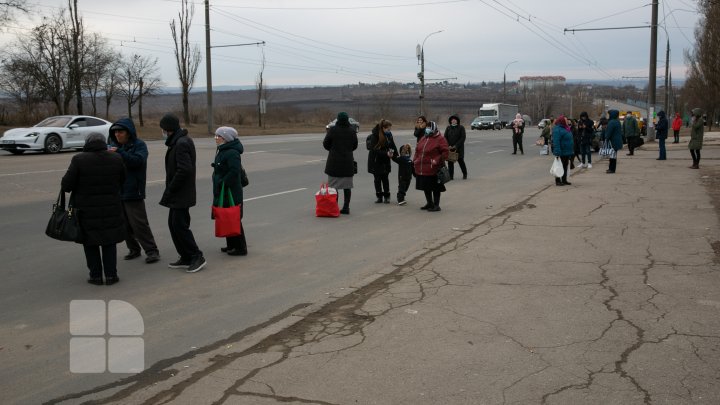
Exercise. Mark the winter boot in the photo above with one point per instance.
(379, 198)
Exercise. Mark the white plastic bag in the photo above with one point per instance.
(544, 150)
(557, 170)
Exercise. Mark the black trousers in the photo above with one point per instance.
(403, 186)
(182, 236)
(695, 153)
(565, 162)
(382, 184)
(238, 242)
(613, 165)
(97, 264)
(461, 163)
(432, 197)
(139, 233)
(676, 135)
(517, 142)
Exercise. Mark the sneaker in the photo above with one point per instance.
(180, 264)
(152, 257)
(132, 255)
(111, 280)
(197, 264)
(589, 165)
(402, 202)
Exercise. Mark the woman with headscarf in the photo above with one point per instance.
(340, 142)
(95, 178)
(563, 147)
(227, 169)
(431, 153)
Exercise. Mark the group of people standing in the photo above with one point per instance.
(430, 156)
(572, 140)
(108, 179)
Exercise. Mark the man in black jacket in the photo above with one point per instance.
(124, 141)
(180, 194)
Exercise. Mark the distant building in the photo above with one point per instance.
(541, 81)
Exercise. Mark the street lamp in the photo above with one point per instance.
(505, 70)
(420, 51)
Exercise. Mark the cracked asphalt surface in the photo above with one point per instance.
(603, 292)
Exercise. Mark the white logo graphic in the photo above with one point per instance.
(123, 351)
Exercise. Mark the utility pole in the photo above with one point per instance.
(504, 71)
(653, 70)
(420, 51)
(668, 81)
(140, 102)
(208, 69)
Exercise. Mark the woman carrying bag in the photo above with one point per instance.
(226, 175)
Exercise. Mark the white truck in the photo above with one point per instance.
(494, 116)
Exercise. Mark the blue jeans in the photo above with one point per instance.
(661, 144)
(585, 150)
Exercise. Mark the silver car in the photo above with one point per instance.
(353, 123)
(54, 134)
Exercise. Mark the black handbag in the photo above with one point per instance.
(444, 175)
(64, 223)
(244, 181)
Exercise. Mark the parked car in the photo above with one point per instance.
(54, 134)
(353, 123)
(483, 123)
(543, 122)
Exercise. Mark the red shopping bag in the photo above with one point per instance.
(227, 219)
(326, 202)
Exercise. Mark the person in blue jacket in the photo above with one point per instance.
(125, 142)
(562, 147)
(661, 133)
(613, 133)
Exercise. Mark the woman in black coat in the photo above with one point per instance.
(382, 149)
(95, 178)
(227, 168)
(455, 135)
(340, 141)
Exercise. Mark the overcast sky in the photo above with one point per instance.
(330, 42)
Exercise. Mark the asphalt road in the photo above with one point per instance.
(294, 257)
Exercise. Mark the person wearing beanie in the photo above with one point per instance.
(455, 135)
(180, 193)
(431, 153)
(696, 137)
(227, 168)
(631, 132)
(124, 141)
(613, 134)
(661, 133)
(340, 142)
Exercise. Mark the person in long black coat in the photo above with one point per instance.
(340, 142)
(381, 149)
(455, 135)
(180, 193)
(95, 178)
(226, 170)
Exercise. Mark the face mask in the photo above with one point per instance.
(428, 131)
(386, 133)
(454, 124)
(164, 134)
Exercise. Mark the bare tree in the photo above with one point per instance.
(100, 65)
(260, 85)
(187, 57)
(8, 9)
(703, 69)
(110, 82)
(137, 78)
(22, 88)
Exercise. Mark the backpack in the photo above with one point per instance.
(368, 142)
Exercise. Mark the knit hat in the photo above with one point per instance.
(227, 133)
(343, 117)
(170, 123)
(697, 112)
(432, 125)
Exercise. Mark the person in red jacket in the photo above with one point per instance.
(676, 125)
(431, 153)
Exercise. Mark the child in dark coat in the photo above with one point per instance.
(405, 172)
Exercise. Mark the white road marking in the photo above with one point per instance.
(496, 151)
(313, 161)
(474, 142)
(39, 172)
(274, 194)
(257, 151)
(155, 181)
